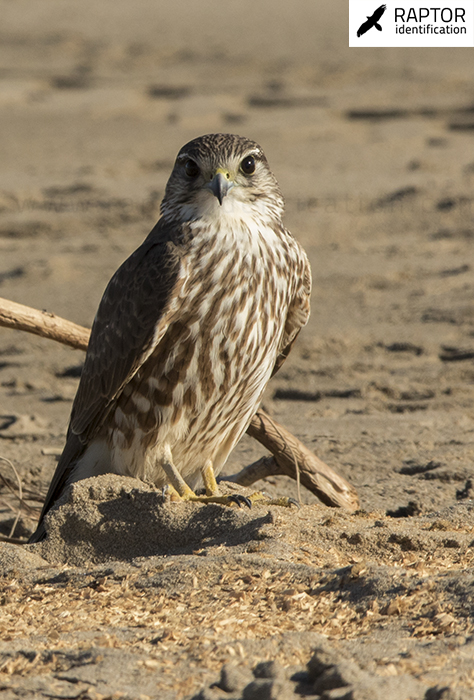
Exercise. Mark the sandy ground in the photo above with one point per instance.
(373, 151)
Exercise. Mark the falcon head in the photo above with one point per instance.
(219, 175)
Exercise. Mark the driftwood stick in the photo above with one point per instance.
(263, 467)
(288, 452)
(43, 323)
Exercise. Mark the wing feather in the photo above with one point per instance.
(298, 312)
(131, 319)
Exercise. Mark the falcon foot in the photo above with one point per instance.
(228, 500)
(179, 490)
(231, 499)
(261, 498)
(240, 500)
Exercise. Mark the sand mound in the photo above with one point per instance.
(110, 517)
(14, 559)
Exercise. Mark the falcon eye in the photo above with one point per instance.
(191, 168)
(248, 165)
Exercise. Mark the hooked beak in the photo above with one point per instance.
(220, 184)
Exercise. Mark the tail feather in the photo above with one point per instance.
(71, 453)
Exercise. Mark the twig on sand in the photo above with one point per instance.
(20, 494)
(10, 538)
(315, 475)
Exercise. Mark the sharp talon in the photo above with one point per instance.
(240, 500)
(292, 502)
(235, 499)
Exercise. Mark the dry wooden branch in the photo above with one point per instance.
(289, 454)
(43, 323)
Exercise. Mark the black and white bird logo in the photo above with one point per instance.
(372, 21)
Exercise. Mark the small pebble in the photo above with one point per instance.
(266, 689)
(234, 678)
(342, 674)
(323, 658)
(269, 669)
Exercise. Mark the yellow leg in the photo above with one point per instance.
(212, 490)
(213, 495)
(180, 487)
(209, 479)
(175, 479)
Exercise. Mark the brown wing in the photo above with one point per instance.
(131, 319)
(129, 323)
(298, 312)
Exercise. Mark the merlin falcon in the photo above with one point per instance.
(190, 328)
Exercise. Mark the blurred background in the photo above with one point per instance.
(373, 149)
